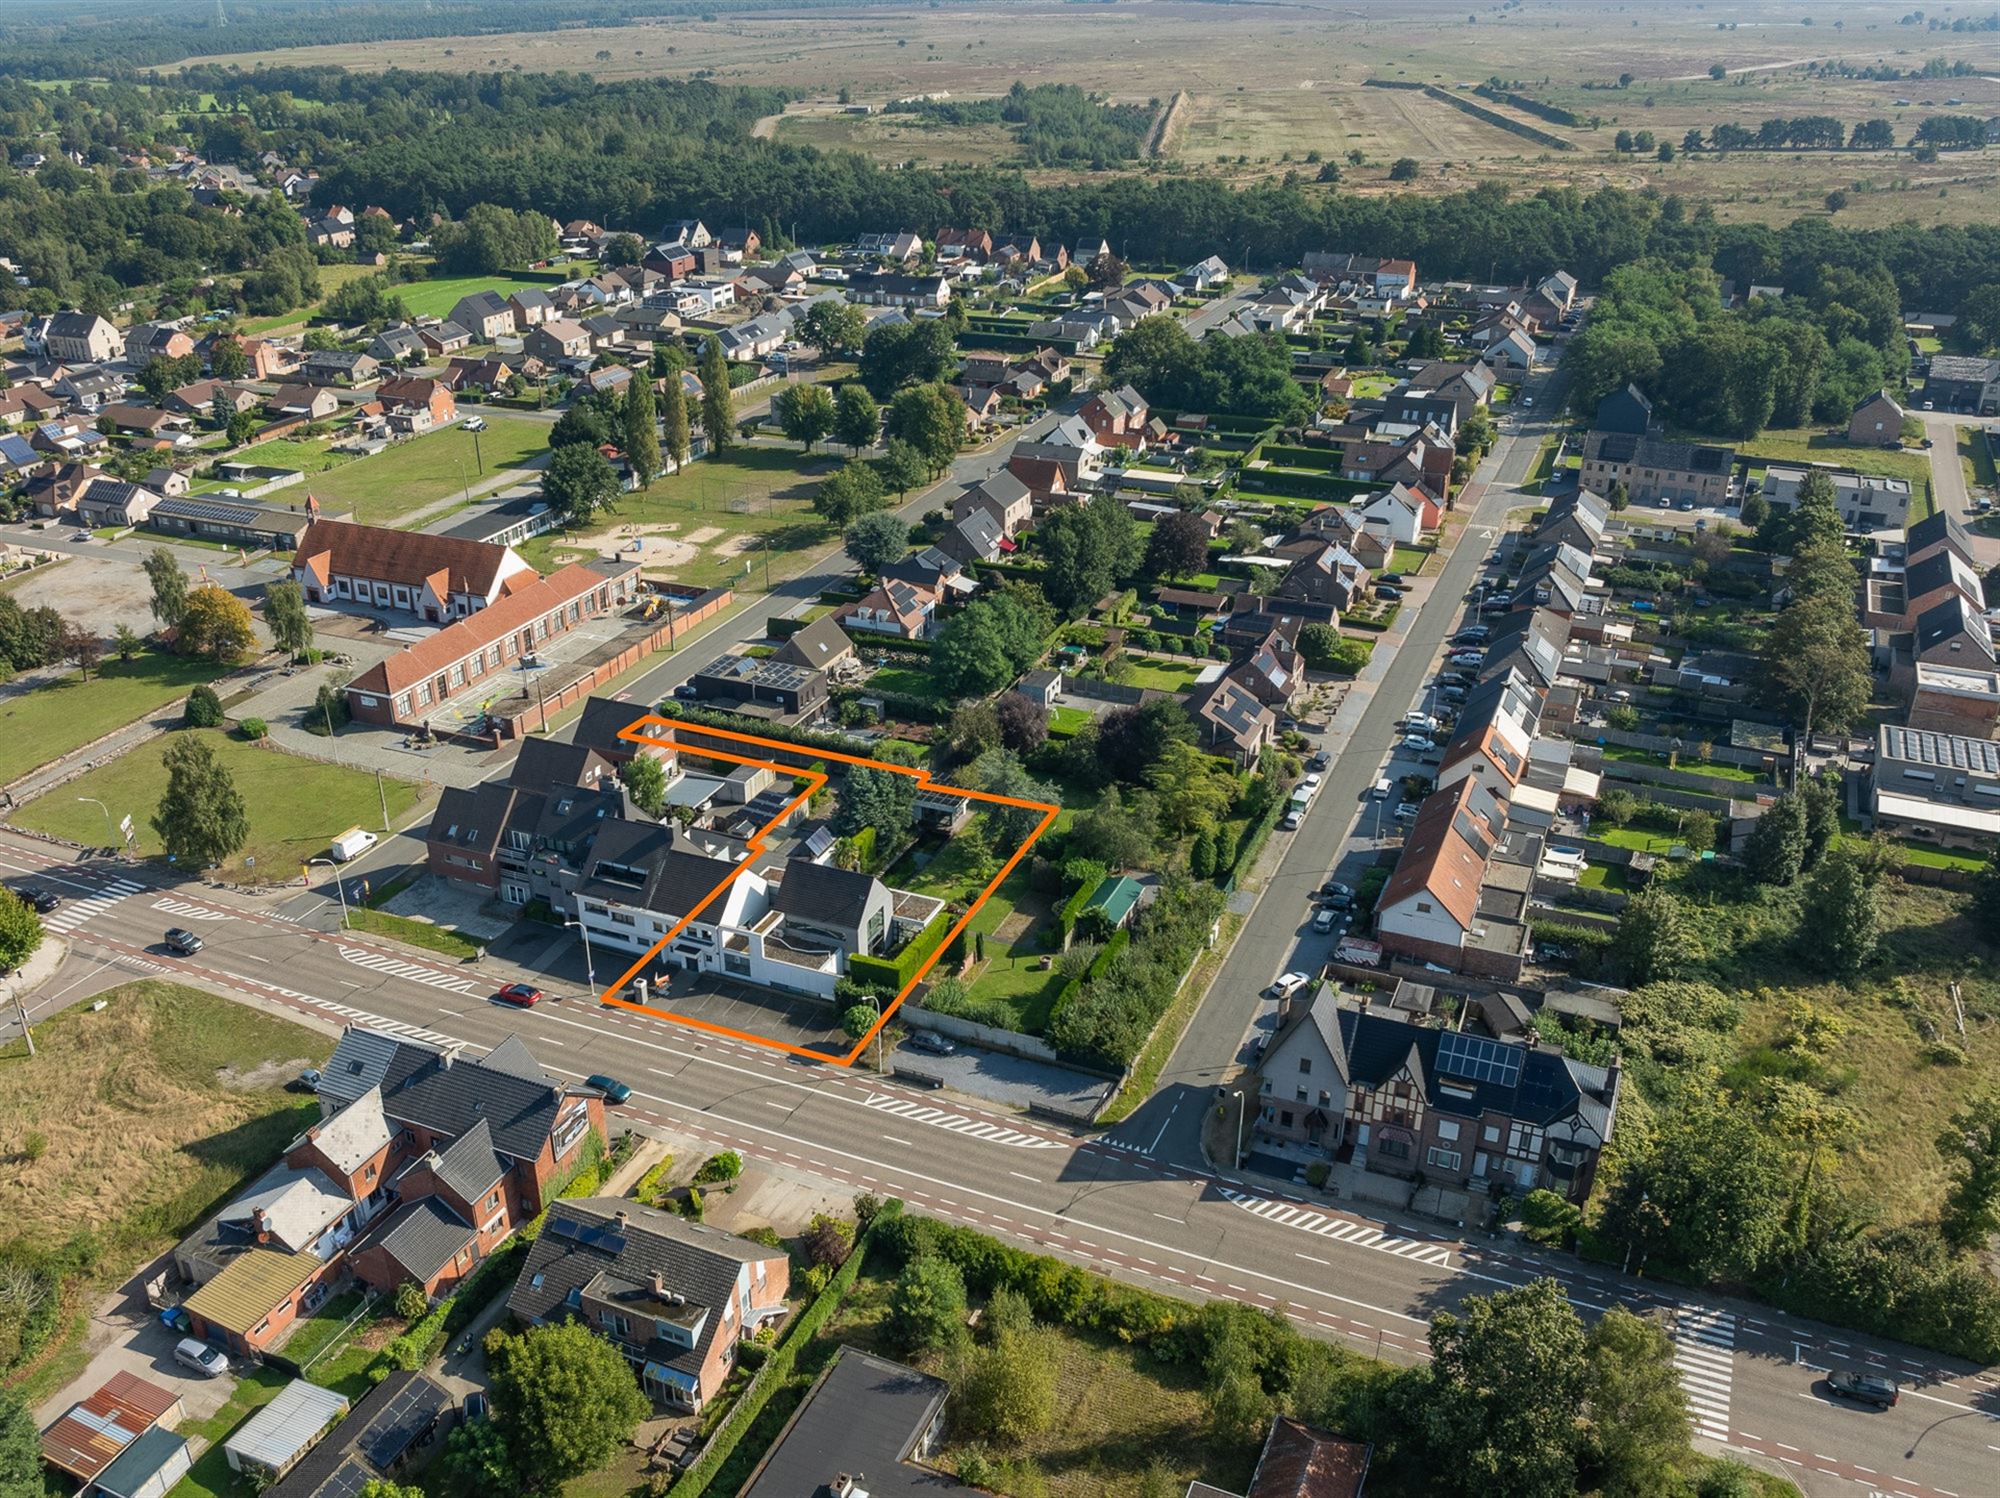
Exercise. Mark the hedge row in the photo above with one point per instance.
(1326, 459)
(1321, 487)
(893, 974)
(778, 1367)
(697, 716)
(1553, 113)
(1501, 121)
(905, 705)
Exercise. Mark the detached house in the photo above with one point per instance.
(1877, 421)
(676, 1298)
(153, 340)
(339, 367)
(486, 315)
(1406, 1099)
(81, 338)
(1327, 574)
(1117, 418)
(1003, 496)
(419, 405)
(1230, 720)
(906, 610)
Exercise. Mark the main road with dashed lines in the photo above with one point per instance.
(1132, 1208)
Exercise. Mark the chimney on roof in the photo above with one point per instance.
(623, 1219)
(659, 1283)
(260, 1224)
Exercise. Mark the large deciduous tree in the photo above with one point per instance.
(216, 623)
(170, 586)
(932, 420)
(849, 492)
(1178, 546)
(578, 483)
(857, 420)
(286, 617)
(566, 1398)
(875, 540)
(805, 414)
(20, 930)
(201, 818)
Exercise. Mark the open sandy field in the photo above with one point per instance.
(1270, 83)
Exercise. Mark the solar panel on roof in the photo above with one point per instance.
(348, 1479)
(1478, 1059)
(407, 1416)
(590, 1234)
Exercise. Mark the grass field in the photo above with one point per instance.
(1818, 445)
(41, 726)
(1160, 675)
(752, 506)
(309, 456)
(429, 468)
(437, 298)
(295, 805)
(138, 1120)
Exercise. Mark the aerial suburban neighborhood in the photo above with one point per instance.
(1096, 793)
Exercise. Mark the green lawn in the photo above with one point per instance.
(1603, 876)
(1150, 671)
(1817, 445)
(907, 681)
(1975, 451)
(1409, 560)
(39, 727)
(1636, 838)
(295, 806)
(1066, 721)
(430, 468)
(309, 456)
(1624, 754)
(757, 499)
(423, 934)
(437, 298)
(151, 1112)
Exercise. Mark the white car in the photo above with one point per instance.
(1323, 922)
(475, 423)
(1418, 742)
(1408, 812)
(1288, 985)
(1468, 658)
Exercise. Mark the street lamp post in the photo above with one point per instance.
(339, 884)
(589, 963)
(109, 827)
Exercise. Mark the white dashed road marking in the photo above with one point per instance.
(1703, 1343)
(413, 972)
(1360, 1235)
(958, 1123)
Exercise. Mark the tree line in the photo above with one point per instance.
(1056, 124)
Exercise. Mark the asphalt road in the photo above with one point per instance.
(1136, 1208)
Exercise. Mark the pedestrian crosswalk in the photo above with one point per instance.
(1342, 1230)
(958, 1123)
(75, 913)
(190, 912)
(1704, 1341)
(414, 972)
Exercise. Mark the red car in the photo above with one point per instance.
(520, 995)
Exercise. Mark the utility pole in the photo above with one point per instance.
(27, 1034)
(383, 796)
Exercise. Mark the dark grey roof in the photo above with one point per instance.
(1939, 525)
(528, 296)
(483, 303)
(473, 816)
(449, 1095)
(546, 763)
(424, 1236)
(818, 645)
(1933, 572)
(468, 1166)
(863, 1417)
(1951, 619)
(583, 1250)
(601, 722)
(394, 1415)
(672, 880)
(825, 894)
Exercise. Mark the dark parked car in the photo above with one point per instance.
(930, 1043)
(614, 1090)
(186, 943)
(1335, 887)
(520, 995)
(40, 900)
(1864, 1388)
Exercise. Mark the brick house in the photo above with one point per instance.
(674, 1297)
(1401, 1098)
(1877, 422)
(1117, 418)
(428, 400)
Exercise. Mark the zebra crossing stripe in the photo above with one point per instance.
(412, 972)
(958, 1123)
(1704, 1341)
(190, 912)
(68, 917)
(1356, 1234)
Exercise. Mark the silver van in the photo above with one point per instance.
(193, 1353)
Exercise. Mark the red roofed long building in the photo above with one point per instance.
(439, 578)
(1429, 909)
(94, 1433)
(473, 655)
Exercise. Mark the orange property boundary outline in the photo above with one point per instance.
(633, 733)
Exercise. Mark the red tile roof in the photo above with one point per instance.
(407, 557)
(94, 1433)
(455, 642)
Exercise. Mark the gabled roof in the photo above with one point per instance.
(449, 1095)
(456, 641)
(1955, 618)
(339, 548)
(424, 1236)
(354, 1134)
(468, 1165)
(674, 880)
(543, 763)
(1444, 856)
(1936, 527)
(483, 304)
(601, 721)
(817, 646)
(366, 1059)
(1301, 1461)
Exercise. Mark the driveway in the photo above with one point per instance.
(126, 1336)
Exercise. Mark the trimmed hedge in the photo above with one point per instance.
(1321, 487)
(895, 973)
(1326, 459)
(778, 1367)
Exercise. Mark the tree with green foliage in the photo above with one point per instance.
(1009, 1391)
(286, 617)
(566, 1399)
(201, 818)
(1970, 1145)
(645, 779)
(20, 1448)
(1703, 1190)
(833, 326)
(1986, 898)
(226, 358)
(642, 435)
(1654, 937)
(895, 354)
(932, 420)
(871, 797)
(579, 482)
(203, 709)
(927, 1306)
(717, 404)
(1087, 550)
(1839, 920)
(170, 586)
(476, 1455)
(857, 420)
(1637, 1413)
(984, 646)
(852, 490)
(1820, 571)
(20, 930)
(675, 442)
(875, 540)
(242, 427)
(903, 467)
(1508, 1375)
(1824, 803)
(1754, 512)
(1814, 517)
(1815, 664)
(805, 413)
(1776, 851)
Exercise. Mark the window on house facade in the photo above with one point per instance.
(1424, 907)
(1443, 1159)
(1395, 1149)
(1305, 1065)
(1302, 1095)
(1447, 1131)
